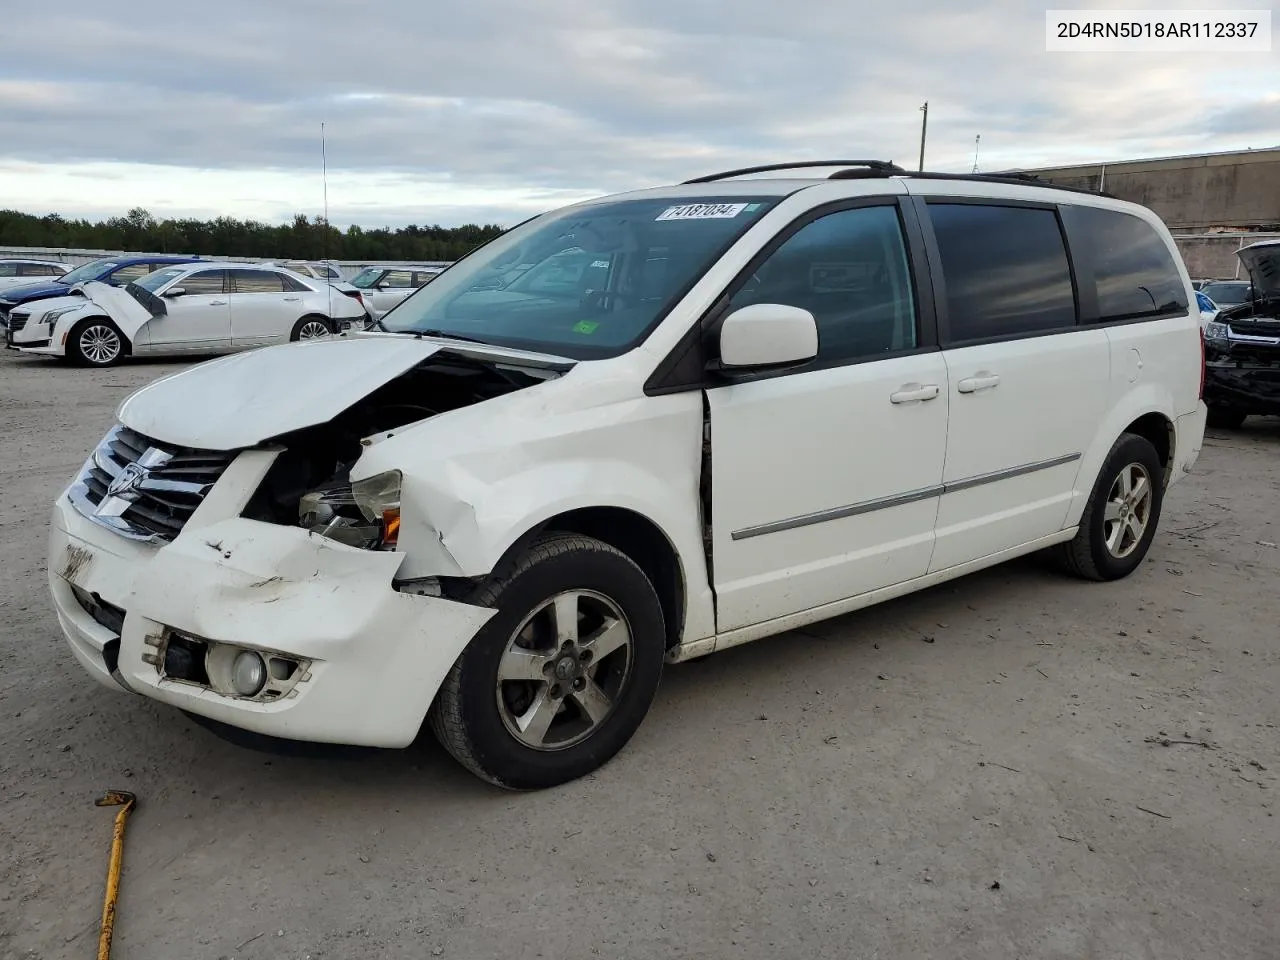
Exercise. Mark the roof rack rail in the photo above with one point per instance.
(880, 168)
(1013, 177)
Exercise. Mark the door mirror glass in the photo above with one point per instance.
(175, 291)
(767, 335)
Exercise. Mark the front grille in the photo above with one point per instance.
(143, 489)
(18, 320)
(1255, 328)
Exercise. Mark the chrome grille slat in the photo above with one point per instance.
(159, 486)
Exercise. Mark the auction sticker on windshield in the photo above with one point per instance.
(702, 211)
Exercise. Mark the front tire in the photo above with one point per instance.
(96, 342)
(556, 683)
(312, 328)
(1120, 519)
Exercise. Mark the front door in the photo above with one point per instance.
(199, 319)
(826, 479)
(1028, 386)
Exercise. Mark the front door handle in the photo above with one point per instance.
(983, 381)
(914, 393)
(217, 303)
(292, 299)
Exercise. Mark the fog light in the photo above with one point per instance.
(248, 674)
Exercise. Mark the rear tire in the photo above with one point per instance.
(1120, 519)
(1225, 418)
(556, 683)
(313, 327)
(96, 342)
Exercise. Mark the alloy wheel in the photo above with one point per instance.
(314, 330)
(100, 344)
(564, 669)
(1128, 510)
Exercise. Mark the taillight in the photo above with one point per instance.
(1202, 362)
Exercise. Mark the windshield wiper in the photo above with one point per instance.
(445, 336)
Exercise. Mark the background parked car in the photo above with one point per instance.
(1242, 345)
(114, 271)
(306, 268)
(191, 308)
(384, 286)
(1226, 293)
(16, 272)
(1208, 309)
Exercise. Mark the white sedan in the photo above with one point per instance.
(191, 308)
(14, 272)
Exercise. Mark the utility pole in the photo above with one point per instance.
(324, 174)
(924, 126)
(976, 140)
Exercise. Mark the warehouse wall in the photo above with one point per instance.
(1236, 190)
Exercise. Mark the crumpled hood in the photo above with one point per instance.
(241, 400)
(1262, 260)
(118, 302)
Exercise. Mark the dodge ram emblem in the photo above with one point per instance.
(127, 480)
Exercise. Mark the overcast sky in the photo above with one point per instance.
(491, 110)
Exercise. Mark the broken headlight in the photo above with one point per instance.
(1213, 330)
(363, 514)
(378, 499)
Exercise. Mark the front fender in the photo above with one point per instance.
(478, 480)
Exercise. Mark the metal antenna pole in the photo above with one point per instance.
(324, 174)
(976, 140)
(924, 125)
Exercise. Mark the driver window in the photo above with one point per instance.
(207, 282)
(397, 278)
(849, 269)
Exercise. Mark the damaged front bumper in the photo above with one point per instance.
(1253, 388)
(369, 658)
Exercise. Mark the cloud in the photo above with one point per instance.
(522, 106)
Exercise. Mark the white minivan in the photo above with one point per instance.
(702, 415)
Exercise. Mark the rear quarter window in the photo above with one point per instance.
(1134, 274)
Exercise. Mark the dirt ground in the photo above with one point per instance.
(969, 772)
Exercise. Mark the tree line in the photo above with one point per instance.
(302, 239)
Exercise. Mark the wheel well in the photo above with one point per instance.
(1158, 429)
(125, 340)
(641, 540)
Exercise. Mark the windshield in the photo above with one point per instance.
(587, 282)
(366, 278)
(154, 281)
(1226, 294)
(90, 271)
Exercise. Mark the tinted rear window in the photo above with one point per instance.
(1134, 272)
(1005, 269)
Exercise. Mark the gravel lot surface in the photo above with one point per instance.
(969, 772)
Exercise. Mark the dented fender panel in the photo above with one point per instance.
(476, 480)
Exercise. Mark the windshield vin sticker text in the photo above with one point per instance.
(702, 211)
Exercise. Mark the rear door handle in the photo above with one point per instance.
(983, 381)
(292, 299)
(217, 303)
(914, 393)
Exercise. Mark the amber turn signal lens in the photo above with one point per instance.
(390, 527)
